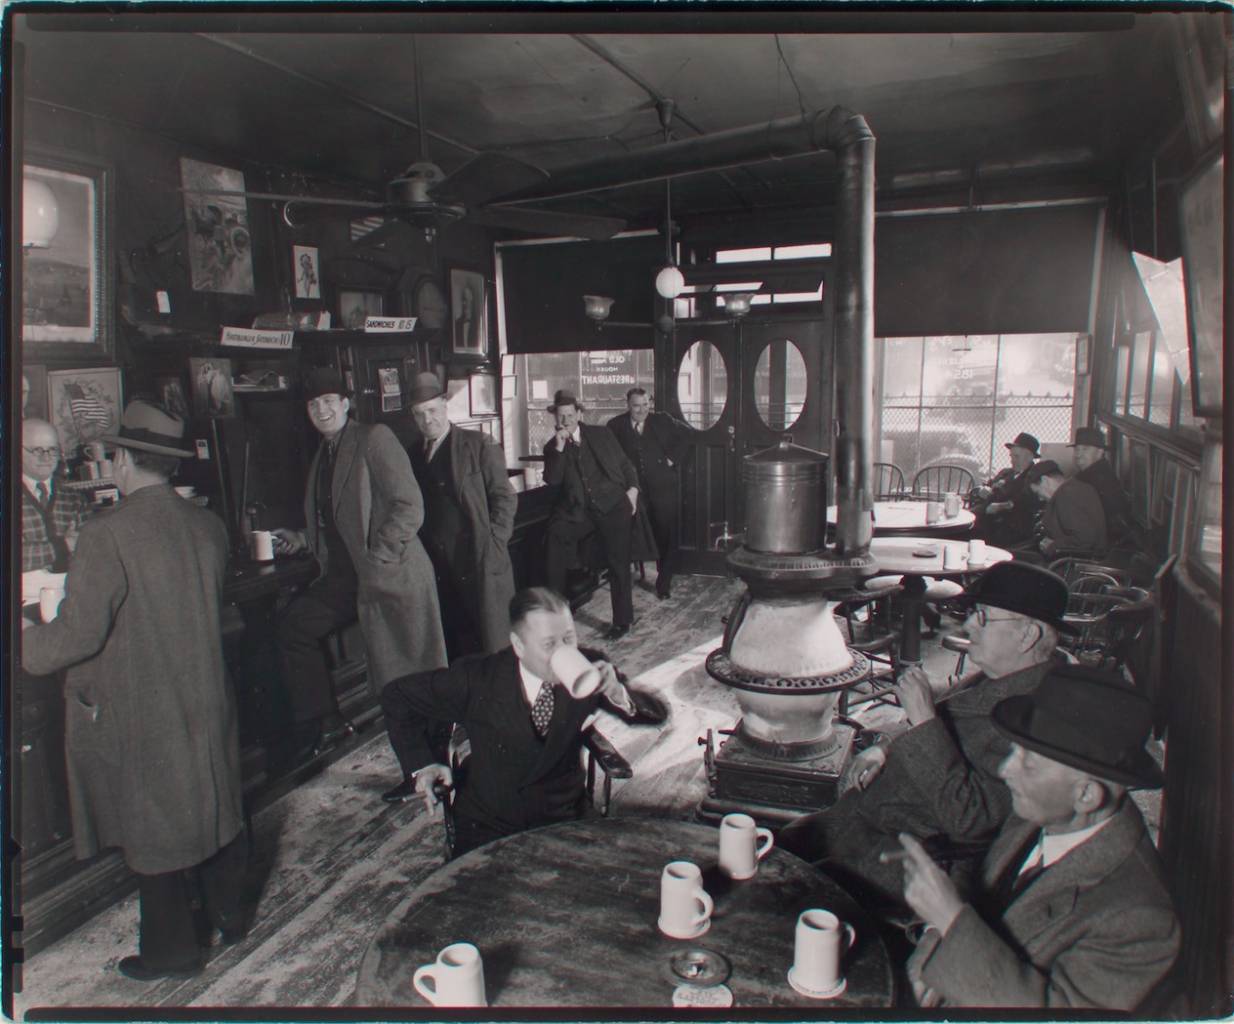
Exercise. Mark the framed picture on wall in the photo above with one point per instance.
(355, 305)
(483, 394)
(1201, 224)
(83, 405)
(67, 265)
(211, 387)
(169, 390)
(304, 263)
(468, 313)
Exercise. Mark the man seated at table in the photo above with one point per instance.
(938, 780)
(1073, 521)
(1094, 469)
(525, 729)
(1071, 910)
(1006, 507)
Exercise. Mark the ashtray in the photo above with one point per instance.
(924, 552)
(698, 966)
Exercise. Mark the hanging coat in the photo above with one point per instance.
(151, 738)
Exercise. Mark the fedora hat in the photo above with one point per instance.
(1026, 441)
(1020, 587)
(426, 387)
(1087, 719)
(324, 380)
(150, 428)
(564, 397)
(1046, 467)
(1090, 436)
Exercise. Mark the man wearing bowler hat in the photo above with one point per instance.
(362, 509)
(1073, 521)
(151, 739)
(1071, 910)
(597, 497)
(1093, 468)
(937, 779)
(1010, 508)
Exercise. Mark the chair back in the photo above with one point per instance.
(935, 481)
(888, 481)
(1073, 569)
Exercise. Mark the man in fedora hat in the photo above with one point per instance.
(151, 739)
(1093, 468)
(1007, 508)
(597, 497)
(1073, 521)
(937, 779)
(362, 509)
(1071, 910)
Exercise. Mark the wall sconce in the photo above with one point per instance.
(597, 307)
(737, 304)
(40, 214)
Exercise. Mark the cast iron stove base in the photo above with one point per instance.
(772, 792)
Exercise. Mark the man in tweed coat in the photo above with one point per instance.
(51, 515)
(151, 736)
(1072, 911)
(939, 779)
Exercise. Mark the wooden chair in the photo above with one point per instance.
(866, 616)
(934, 481)
(888, 481)
(1072, 569)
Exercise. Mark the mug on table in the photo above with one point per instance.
(742, 845)
(820, 943)
(455, 978)
(685, 906)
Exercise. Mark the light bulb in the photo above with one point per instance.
(669, 282)
(40, 214)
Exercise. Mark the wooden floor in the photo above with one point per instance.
(332, 861)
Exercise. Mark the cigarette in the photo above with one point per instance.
(894, 856)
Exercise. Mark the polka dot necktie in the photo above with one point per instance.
(542, 709)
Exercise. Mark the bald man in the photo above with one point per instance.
(50, 514)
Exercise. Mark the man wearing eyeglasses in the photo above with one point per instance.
(50, 515)
(938, 779)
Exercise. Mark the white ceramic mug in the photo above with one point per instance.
(578, 675)
(976, 552)
(49, 602)
(818, 952)
(685, 906)
(262, 545)
(951, 505)
(953, 556)
(742, 845)
(456, 978)
(934, 512)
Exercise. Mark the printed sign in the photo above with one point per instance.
(388, 324)
(245, 337)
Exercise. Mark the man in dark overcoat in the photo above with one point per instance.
(363, 509)
(655, 443)
(597, 497)
(1073, 520)
(469, 509)
(938, 780)
(151, 733)
(1093, 468)
(1007, 508)
(1071, 910)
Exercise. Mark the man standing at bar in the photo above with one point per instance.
(469, 509)
(655, 444)
(362, 509)
(598, 496)
(50, 515)
(151, 735)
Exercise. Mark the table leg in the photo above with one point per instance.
(911, 600)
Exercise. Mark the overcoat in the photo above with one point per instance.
(1096, 929)
(482, 488)
(1074, 518)
(151, 741)
(378, 510)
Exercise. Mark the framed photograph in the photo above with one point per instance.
(67, 267)
(33, 392)
(211, 388)
(1201, 222)
(219, 243)
(304, 264)
(468, 313)
(390, 388)
(483, 393)
(83, 405)
(1083, 354)
(356, 304)
(169, 390)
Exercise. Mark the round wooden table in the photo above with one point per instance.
(891, 517)
(565, 916)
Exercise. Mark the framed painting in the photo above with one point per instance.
(83, 405)
(1201, 223)
(169, 390)
(220, 245)
(304, 264)
(468, 313)
(211, 388)
(357, 304)
(482, 388)
(390, 387)
(67, 266)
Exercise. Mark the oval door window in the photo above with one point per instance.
(780, 384)
(702, 385)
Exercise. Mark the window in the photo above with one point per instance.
(763, 254)
(1206, 542)
(958, 399)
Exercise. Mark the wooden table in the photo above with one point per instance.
(565, 916)
(891, 517)
(895, 555)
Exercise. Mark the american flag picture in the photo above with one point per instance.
(87, 408)
(85, 404)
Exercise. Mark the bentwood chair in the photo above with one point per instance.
(934, 481)
(888, 481)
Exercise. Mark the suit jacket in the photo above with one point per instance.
(482, 489)
(68, 509)
(379, 509)
(670, 445)
(514, 781)
(1096, 929)
(1016, 524)
(1120, 523)
(151, 735)
(1074, 519)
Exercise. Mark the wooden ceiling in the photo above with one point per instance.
(953, 99)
